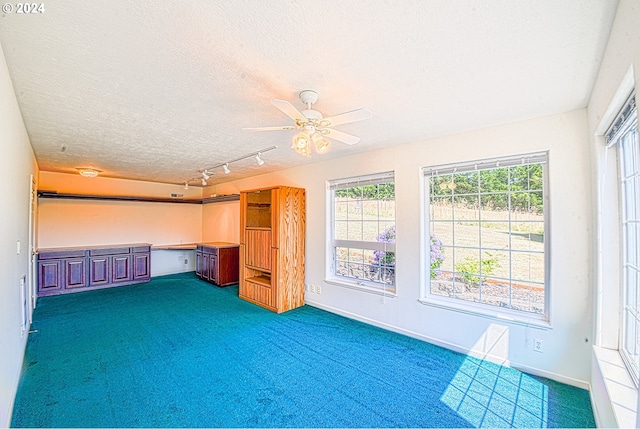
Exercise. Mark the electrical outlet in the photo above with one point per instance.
(538, 345)
(318, 289)
(186, 261)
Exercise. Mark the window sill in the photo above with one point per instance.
(480, 310)
(621, 391)
(364, 287)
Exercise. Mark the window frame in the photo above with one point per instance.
(626, 122)
(541, 320)
(332, 243)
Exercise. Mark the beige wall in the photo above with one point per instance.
(221, 222)
(17, 164)
(67, 222)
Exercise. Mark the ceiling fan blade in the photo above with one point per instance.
(352, 116)
(340, 136)
(288, 109)
(283, 128)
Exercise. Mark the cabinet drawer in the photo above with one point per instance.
(110, 251)
(141, 249)
(60, 254)
(258, 292)
(210, 250)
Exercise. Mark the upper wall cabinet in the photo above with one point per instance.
(272, 247)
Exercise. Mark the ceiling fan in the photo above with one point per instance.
(313, 128)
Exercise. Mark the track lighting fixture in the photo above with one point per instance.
(205, 174)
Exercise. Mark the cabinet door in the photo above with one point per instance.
(141, 266)
(199, 263)
(213, 268)
(228, 266)
(49, 276)
(258, 249)
(205, 266)
(121, 268)
(98, 270)
(75, 273)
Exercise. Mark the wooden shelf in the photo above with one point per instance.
(263, 280)
(216, 199)
(260, 269)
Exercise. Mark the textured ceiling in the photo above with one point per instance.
(161, 89)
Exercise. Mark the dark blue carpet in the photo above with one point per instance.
(179, 352)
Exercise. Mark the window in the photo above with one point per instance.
(624, 135)
(487, 242)
(363, 231)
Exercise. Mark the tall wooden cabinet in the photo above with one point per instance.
(272, 232)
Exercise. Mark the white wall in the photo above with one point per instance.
(17, 164)
(619, 72)
(567, 355)
(172, 261)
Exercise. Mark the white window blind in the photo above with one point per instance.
(370, 179)
(486, 164)
(623, 121)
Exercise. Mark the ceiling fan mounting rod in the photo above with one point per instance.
(308, 97)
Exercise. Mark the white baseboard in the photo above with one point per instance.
(530, 370)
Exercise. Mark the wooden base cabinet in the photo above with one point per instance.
(217, 262)
(74, 269)
(272, 247)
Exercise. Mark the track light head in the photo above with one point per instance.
(259, 159)
(225, 167)
(204, 182)
(205, 175)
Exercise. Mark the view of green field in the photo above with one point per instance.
(469, 237)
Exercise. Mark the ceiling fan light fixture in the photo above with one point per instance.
(310, 122)
(320, 143)
(302, 144)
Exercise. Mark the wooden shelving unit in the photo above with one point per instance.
(209, 200)
(272, 231)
